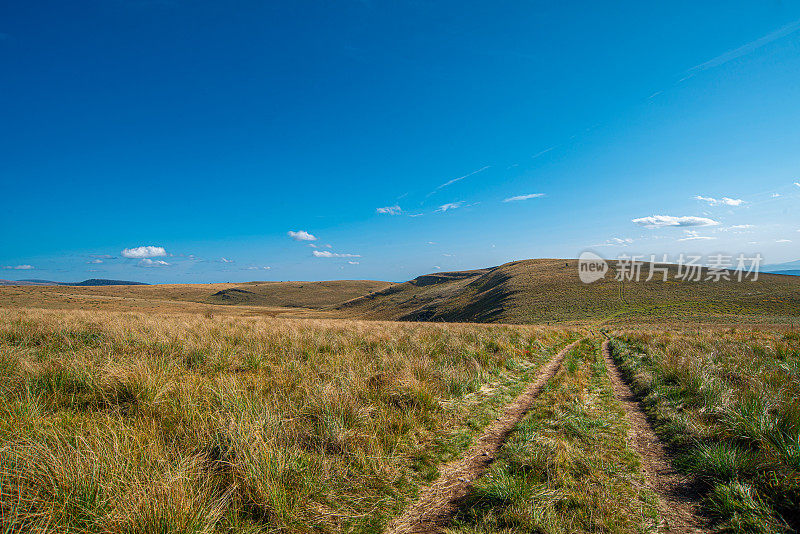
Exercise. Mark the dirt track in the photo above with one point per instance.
(677, 502)
(437, 502)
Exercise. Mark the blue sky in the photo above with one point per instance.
(178, 141)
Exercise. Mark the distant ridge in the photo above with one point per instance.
(89, 282)
(549, 290)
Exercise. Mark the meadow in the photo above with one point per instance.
(726, 402)
(124, 422)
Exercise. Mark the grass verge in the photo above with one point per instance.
(727, 405)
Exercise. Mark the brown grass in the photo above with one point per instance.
(114, 422)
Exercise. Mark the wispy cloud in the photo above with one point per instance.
(390, 210)
(616, 242)
(454, 180)
(147, 262)
(301, 235)
(724, 200)
(450, 206)
(737, 228)
(353, 262)
(147, 251)
(664, 221)
(329, 254)
(523, 197)
(24, 267)
(691, 235)
(96, 260)
(543, 152)
(225, 260)
(783, 240)
(743, 50)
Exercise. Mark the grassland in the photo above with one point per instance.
(568, 468)
(119, 422)
(727, 403)
(274, 407)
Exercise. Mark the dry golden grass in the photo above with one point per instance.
(120, 422)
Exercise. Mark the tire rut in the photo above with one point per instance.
(677, 502)
(437, 502)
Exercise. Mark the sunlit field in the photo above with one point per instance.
(115, 422)
(728, 402)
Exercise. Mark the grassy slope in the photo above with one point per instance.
(536, 291)
(115, 422)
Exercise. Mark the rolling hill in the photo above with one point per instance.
(548, 290)
(528, 291)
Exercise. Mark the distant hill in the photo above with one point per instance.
(104, 282)
(528, 291)
(90, 282)
(315, 295)
(788, 267)
(548, 290)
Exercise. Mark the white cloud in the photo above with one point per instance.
(523, 197)
(390, 210)
(450, 206)
(434, 242)
(737, 228)
(783, 240)
(775, 195)
(691, 235)
(448, 255)
(329, 254)
(147, 262)
(353, 262)
(301, 235)
(225, 260)
(254, 268)
(24, 267)
(616, 242)
(663, 221)
(437, 267)
(797, 184)
(96, 260)
(724, 200)
(147, 251)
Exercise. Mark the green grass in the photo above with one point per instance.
(728, 404)
(567, 468)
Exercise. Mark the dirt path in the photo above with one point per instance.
(677, 503)
(437, 502)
